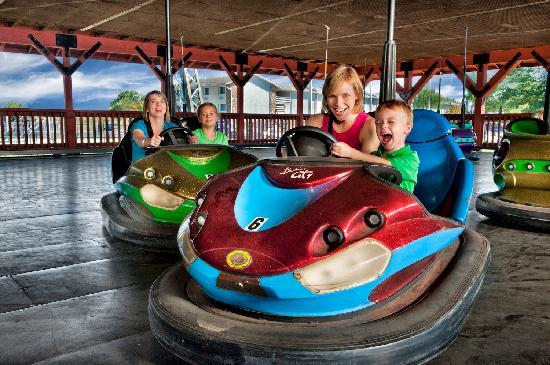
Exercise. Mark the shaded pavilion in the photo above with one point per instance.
(82, 298)
(285, 38)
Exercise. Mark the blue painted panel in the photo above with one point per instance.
(289, 298)
(258, 197)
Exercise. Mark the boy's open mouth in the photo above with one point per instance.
(386, 138)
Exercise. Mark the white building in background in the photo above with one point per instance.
(217, 90)
(267, 95)
(261, 96)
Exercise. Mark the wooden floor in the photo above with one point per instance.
(71, 295)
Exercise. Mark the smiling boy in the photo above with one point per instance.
(394, 121)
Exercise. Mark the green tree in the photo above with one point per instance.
(127, 100)
(13, 104)
(429, 99)
(521, 92)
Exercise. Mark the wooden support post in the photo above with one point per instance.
(409, 91)
(482, 88)
(546, 113)
(240, 78)
(66, 69)
(479, 108)
(70, 119)
(300, 82)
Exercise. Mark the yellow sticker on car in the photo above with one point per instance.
(238, 259)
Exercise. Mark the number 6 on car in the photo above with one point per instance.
(256, 224)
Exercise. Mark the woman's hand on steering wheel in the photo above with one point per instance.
(176, 136)
(155, 141)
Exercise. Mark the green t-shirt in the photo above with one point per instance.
(406, 162)
(220, 138)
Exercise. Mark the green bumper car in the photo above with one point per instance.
(158, 192)
(521, 166)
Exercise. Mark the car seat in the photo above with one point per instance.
(445, 177)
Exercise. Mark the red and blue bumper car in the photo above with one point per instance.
(308, 260)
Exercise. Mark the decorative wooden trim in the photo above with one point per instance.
(65, 70)
(500, 75)
(461, 76)
(300, 81)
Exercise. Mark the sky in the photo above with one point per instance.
(34, 82)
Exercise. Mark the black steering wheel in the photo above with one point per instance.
(175, 136)
(305, 141)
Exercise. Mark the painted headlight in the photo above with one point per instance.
(168, 181)
(184, 243)
(149, 173)
(200, 199)
(158, 197)
(358, 264)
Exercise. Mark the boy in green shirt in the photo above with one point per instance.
(394, 121)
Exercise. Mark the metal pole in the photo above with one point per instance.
(326, 52)
(310, 97)
(439, 94)
(546, 113)
(387, 81)
(430, 94)
(463, 106)
(370, 100)
(168, 60)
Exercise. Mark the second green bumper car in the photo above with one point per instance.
(159, 191)
(522, 173)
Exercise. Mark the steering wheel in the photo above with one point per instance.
(387, 173)
(175, 136)
(305, 141)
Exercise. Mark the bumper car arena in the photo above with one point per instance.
(265, 259)
(274, 250)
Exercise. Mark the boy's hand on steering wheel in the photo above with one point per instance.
(341, 149)
(193, 139)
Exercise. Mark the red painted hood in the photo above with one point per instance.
(298, 241)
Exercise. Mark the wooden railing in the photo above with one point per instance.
(95, 129)
(22, 129)
(32, 129)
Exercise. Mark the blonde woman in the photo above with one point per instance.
(156, 118)
(343, 115)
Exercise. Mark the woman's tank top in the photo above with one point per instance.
(351, 136)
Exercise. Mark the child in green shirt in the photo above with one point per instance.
(207, 133)
(394, 121)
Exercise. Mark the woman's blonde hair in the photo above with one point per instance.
(146, 102)
(344, 73)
